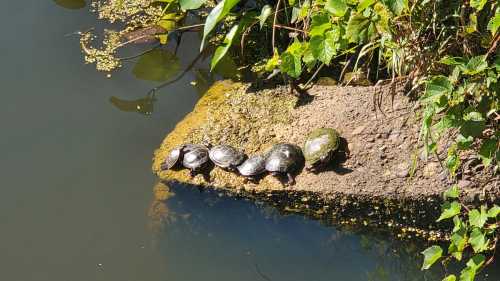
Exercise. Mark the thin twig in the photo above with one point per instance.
(140, 54)
(313, 76)
(274, 22)
(290, 28)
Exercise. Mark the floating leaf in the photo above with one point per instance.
(158, 65)
(264, 14)
(431, 255)
(191, 4)
(449, 210)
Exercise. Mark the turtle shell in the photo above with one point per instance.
(283, 157)
(195, 156)
(320, 144)
(226, 156)
(172, 158)
(254, 165)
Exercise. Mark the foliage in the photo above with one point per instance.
(474, 235)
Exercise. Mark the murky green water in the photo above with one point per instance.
(77, 203)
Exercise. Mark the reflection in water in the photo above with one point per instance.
(158, 65)
(71, 4)
(230, 238)
(143, 105)
(203, 80)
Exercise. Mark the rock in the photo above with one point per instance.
(464, 184)
(358, 130)
(402, 170)
(431, 169)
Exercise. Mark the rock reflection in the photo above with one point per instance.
(143, 105)
(71, 4)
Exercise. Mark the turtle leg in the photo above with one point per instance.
(192, 173)
(291, 179)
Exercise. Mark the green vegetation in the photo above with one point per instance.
(474, 236)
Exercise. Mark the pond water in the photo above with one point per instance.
(77, 201)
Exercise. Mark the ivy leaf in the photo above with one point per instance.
(449, 210)
(337, 8)
(478, 241)
(359, 28)
(451, 277)
(217, 14)
(478, 218)
(453, 60)
(324, 47)
(320, 24)
(452, 192)
(457, 224)
(363, 4)
(494, 211)
(397, 6)
(487, 151)
(190, 4)
(437, 87)
(221, 51)
(478, 4)
(494, 23)
(475, 65)
(431, 255)
(458, 243)
(291, 62)
(469, 273)
(264, 14)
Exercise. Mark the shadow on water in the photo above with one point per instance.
(71, 4)
(230, 238)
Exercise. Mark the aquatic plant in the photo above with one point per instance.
(474, 236)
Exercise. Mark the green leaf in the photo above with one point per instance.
(219, 12)
(397, 6)
(464, 142)
(478, 218)
(452, 192)
(221, 51)
(449, 210)
(359, 28)
(469, 273)
(291, 62)
(451, 277)
(494, 23)
(320, 24)
(478, 241)
(478, 4)
(431, 255)
(158, 65)
(472, 128)
(337, 8)
(475, 65)
(363, 4)
(487, 151)
(458, 242)
(324, 47)
(437, 87)
(190, 4)
(457, 224)
(494, 211)
(264, 14)
(453, 60)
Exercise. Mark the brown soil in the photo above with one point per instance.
(381, 126)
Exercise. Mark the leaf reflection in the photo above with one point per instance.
(158, 65)
(71, 4)
(143, 105)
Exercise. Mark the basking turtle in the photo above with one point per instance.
(284, 158)
(253, 167)
(172, 159)
(226, 156)
(320, 146)
(195, 158)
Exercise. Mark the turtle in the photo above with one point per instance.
(253, 167)
(284, 158)
(320, 146)
(226, 156)
(172, 159)
(195, 158)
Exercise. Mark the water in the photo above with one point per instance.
(77, 186)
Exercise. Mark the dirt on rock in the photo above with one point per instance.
(379, 123)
